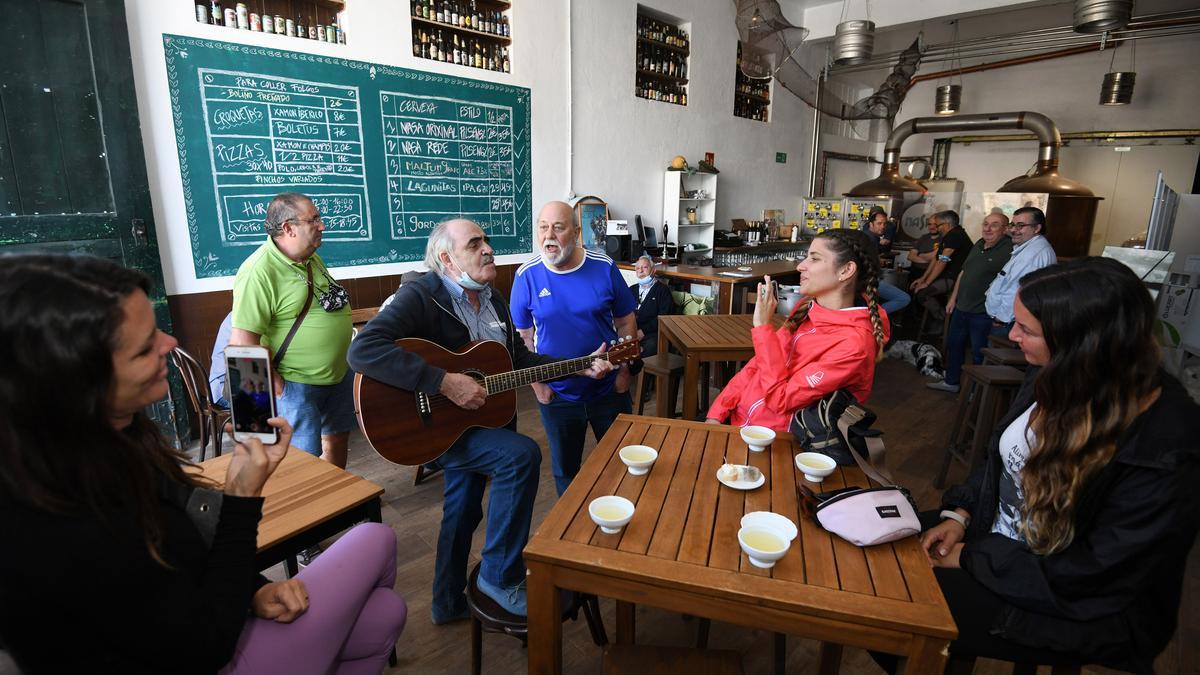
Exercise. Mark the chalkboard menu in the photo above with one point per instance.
(385, 153)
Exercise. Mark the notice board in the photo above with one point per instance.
(385, 153)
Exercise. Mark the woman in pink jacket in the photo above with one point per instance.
(831, 341)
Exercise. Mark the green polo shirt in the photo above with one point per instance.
(268, 294)
(981, 266)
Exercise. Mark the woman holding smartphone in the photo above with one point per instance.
(831, 341)
(110, 540)
(1068, 545)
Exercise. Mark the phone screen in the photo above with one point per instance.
(252, 399)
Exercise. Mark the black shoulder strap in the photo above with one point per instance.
(299, 320)
(873, 466)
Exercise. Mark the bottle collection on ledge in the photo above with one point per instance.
(462, 15)
(241, 18)
(461, 51)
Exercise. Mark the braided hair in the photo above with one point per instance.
(852, 246)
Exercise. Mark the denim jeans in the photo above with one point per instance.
(892, 299)
(316, 410)
(512, 461)
(964, 325)
(566, 424)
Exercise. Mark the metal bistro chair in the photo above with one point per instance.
(195, 381)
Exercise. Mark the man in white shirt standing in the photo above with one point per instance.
(1031, 251)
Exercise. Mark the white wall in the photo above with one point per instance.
(378, 31)
(623, 143)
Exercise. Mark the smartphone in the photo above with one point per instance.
(251, 393)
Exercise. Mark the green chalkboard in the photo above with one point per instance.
(385, 153)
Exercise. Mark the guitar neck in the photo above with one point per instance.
(550, 371)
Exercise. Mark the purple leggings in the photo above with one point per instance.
(353, 620)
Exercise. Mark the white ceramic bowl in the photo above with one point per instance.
(780, 524)
(634, 457)
(611, 513)
(758, 438)
(761, 556)
(815, 466)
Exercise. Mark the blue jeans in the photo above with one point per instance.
(964, 325)
(1003, 329)
(566, 424)
(512, 461)
(316, 410)
(892, 299)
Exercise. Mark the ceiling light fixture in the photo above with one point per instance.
(1117, 88)
(853, 41)
(1100, 16)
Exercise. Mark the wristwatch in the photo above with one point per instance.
(955, 516)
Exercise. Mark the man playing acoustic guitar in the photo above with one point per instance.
(453, 306)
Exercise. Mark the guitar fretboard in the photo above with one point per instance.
(519, 378)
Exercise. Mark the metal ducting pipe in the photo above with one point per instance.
(1101, 16)
(1072, 208)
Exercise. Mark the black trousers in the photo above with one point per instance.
(975, 609)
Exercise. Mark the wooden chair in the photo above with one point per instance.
(985, 397)
(488, 616)
(1004, 356)
(211, 418)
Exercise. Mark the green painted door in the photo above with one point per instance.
(72, 170)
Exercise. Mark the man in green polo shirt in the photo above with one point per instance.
(313, 383)
(968, 317)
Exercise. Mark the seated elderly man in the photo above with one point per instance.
(453, 305)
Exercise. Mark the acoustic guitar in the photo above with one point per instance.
(411, 428)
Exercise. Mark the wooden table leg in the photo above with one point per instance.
(661, 382)
(927, 656)
(545, 621)
(626, 622)
(830, 660)
(691, 383)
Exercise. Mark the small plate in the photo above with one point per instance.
(745, 268)
(743, 484)
(781, 524)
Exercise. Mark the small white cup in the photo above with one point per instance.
(758, 438)
(611, 513)
(815, 466)
(638, 458)
(764, 545)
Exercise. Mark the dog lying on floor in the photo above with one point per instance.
(925, 357)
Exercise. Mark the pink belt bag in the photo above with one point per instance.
(864, 516)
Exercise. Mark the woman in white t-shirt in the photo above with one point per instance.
(1068, 545)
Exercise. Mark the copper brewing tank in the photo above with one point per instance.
(1071, 212)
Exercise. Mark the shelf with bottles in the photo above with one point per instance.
(472, 33)
(661, 33)
(318, 20)
(448, 47)
(478, 18)
(662, 47)
(664, 92)
(751, 96)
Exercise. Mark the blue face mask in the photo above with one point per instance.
(465, 279)
(646, 281)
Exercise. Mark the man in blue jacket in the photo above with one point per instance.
(452, 306)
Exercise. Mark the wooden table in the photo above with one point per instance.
(680, 553)
(729, 292)
(700, 338)
(307, 500)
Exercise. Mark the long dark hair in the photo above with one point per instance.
(1098, 322)
(60, 319)
(853, 245)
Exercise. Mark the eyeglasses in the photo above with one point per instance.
(310, 221)
(1017, 226)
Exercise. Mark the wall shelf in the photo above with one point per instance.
(662, 48)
